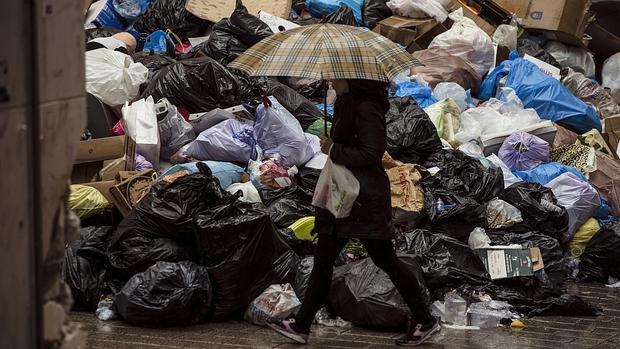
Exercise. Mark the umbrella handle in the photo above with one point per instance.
(325, 87)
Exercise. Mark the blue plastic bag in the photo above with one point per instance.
(317, 7)
(543, 93)
(131, 9)
(422, 94)
(226, 172)
(545, 173)
(158, 42)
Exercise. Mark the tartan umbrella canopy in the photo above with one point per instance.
(326, 52)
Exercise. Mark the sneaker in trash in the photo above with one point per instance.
(419, 333)
(288, 330)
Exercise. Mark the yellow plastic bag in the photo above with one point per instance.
(303, 228)
(583, 235)
(87, 201)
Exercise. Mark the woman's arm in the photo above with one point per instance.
(370, 129)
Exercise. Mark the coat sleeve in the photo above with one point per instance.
(370, 130)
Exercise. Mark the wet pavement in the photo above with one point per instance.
(541, 332)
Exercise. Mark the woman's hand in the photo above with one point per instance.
(326, 144)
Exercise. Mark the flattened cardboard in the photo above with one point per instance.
(502, 263)
(216, 10)
(100, 149)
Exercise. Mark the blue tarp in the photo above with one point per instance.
(317, 7)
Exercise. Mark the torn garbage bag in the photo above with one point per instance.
(527, 45)
(230, 140)
(199, 84)
(545, 94)
(411, 135)
(364, 294)
(166, 294)
(279, 134)
(159, 228)
(84, 266)
(244, 255)
(170, 14)
(523, 151)
(578, 197)
(601, 258)
(539, 208)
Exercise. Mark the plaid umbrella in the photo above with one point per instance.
(326, 52)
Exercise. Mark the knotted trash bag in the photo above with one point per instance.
(243, 253)
(84, 266)
(170, 14)
(230, 140)
(411, 135)
(523, 151)
(166, 294)
(601, 258)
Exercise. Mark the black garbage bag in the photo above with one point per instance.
(153, 61)
(232, 36)
(160, 227)
(302, 109)
(101, 32)
(166, 294)
(445, 261)
(308, 177)
(199, 84)
(308, 88)
(84, 266)
(364, 294)
(411, 135)
(244, 255)
(601, 257)
(375, 11)
(301, 247)
(302, 278)
(170, 14)
(344, 15)
(539, 208)
(528, 46)
(287, 205)
(455, 197)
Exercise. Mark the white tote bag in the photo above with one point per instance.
(336, 190)
(141, 125)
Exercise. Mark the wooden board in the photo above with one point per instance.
(216, 10)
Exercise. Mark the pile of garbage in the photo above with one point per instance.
(195, 189)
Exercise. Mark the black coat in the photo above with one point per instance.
(358, 133)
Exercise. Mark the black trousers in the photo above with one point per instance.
(382, 254)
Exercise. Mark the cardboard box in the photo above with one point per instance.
(92, 154)
(412, 33)
(216, 10)
(612, 133)
(562, 20)
(472, 14)
(128, 192)
(492, 142)
(503, 262)
(104, 188)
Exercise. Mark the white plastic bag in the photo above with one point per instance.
(113, 77)
(454, 91)
(466, 40)
(478, 238)
(611, 76)
(230, 140)
(250, 194)
(411, 8)
(276, 302)
(500, 214)
(509, 177)
(506, 35)
(141, 125)
(577, 58)
(336, 190)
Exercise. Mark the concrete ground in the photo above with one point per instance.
(542, 332)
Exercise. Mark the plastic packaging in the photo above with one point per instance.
(506, 35)
(582, 236)
(445, 115)
(527, 45)
(454, 91)
(86, 201)
(611, 75)
(477, 239)
(488, 314)
(271, 174)
(174, 131)
(166, 294)
(249, 192)
(230, 140)
(578, 197)
(411, 135)
(466, 40)
(170, 14)
(279, 134)
(113, 77)
(276, 302)
(523, 151)
(501, 214)
(455, 309)
(576, 58)
(140, 123)
(336, 190)
(421, 93)
(412, 8)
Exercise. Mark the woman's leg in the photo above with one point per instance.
(327, 250)
(405, 280)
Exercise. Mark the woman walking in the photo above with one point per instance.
(358, 142)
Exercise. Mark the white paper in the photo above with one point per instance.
(276, 23)
(197, 40)
(546, 68)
